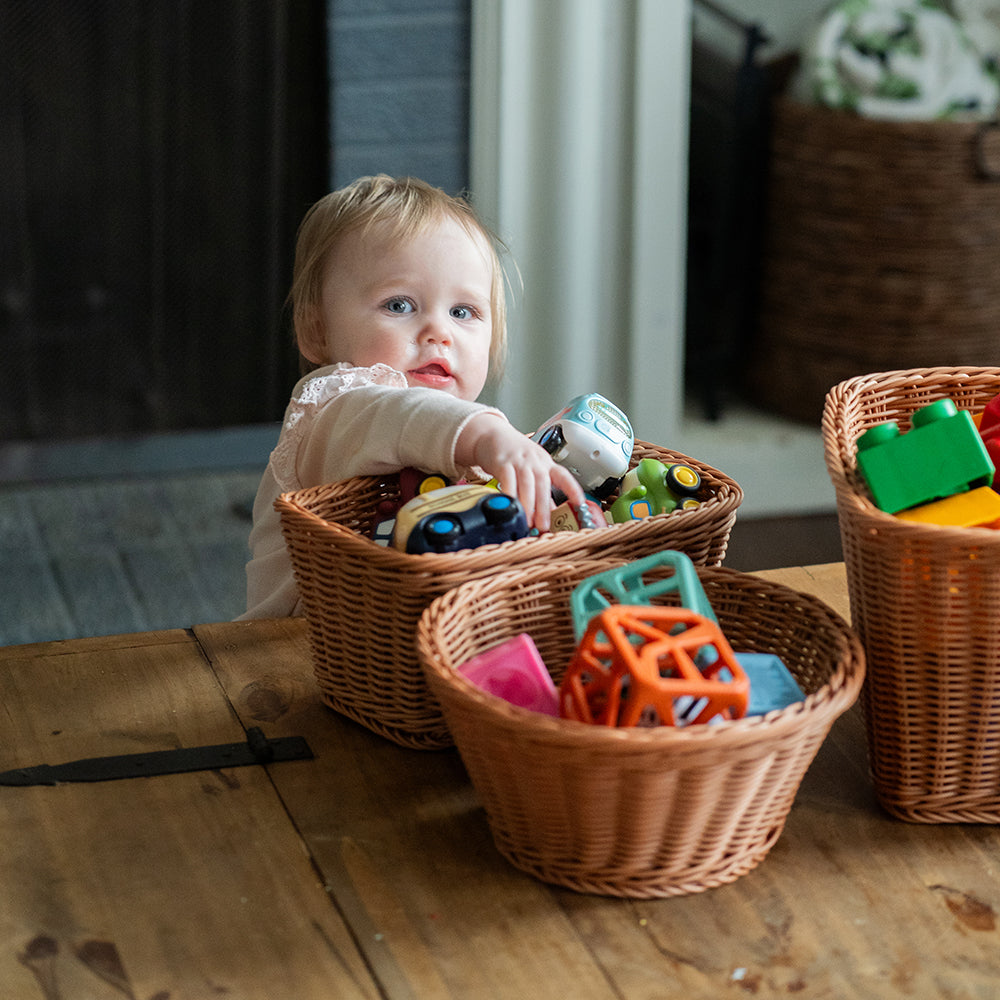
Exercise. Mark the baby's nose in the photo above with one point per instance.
(436, 330)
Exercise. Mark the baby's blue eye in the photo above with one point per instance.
(399, 306)
(461, 312)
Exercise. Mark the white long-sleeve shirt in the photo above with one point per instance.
(341, 422)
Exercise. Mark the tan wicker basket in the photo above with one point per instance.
(642, 812)
(925, 600)
(362, 601)
(880, 251)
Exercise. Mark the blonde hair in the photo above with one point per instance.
(406, 205)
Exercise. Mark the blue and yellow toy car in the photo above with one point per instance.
(458, 517)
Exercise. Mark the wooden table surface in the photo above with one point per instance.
(370, 872)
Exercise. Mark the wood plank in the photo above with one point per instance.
(847, 907)
(827, 581)
(184, 885)
(402, 843)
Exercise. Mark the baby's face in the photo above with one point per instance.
(421, 306)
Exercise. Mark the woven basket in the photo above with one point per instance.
(925, 600)
(642, 812)
(880, 251)
(362, 601)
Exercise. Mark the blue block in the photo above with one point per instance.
(771, 684)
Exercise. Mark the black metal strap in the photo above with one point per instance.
(257, 749)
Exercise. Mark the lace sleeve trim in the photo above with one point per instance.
(313, 396)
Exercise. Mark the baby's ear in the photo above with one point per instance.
(310, 337)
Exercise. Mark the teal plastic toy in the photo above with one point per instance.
(942, 454)
(628, 585)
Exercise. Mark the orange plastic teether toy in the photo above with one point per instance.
(635, 666)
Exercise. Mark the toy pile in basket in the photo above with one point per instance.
(637, 664)
(592, 438)
(942, 471)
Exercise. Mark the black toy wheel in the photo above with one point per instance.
(683, 480)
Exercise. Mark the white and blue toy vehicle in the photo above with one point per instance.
(591, 438)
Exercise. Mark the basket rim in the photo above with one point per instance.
(828, 702)
(840, 454)
(877, 126)
(724, 503)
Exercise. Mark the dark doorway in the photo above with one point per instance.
(156, 157)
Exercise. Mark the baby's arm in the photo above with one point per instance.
(371, 429)
(522, 467)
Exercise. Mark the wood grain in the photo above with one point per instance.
(401, 841)
(370, 871)
(185, 885)
(849, 904)
(827, 581)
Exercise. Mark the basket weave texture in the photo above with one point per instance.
(881, 250)
(639, 812)
(925, 600)
(362, 601)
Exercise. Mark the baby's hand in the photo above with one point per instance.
(523, 468)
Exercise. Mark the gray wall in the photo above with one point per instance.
(400, 89)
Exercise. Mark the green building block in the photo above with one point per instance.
(942, 454)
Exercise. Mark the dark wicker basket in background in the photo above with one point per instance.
(881, 251)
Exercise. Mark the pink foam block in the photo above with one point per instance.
(515, 672)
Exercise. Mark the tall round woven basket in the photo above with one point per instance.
(362, 601)
(925, 600)
(640, 812)
(881, 251)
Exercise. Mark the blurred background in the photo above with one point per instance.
(156, 157)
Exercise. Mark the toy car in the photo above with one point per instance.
(412, 482)
(655, 488)
(566, 517)
(593, 439)
(458, 517)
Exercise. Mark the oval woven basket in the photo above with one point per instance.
(640, 812)
(880, 251)
(362, 601)
(925, 600)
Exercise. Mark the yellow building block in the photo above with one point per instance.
(974, 508)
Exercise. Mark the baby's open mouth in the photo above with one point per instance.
(434, 369)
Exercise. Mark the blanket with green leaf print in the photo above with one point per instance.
(902, 60)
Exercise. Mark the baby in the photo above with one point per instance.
(398, 303)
